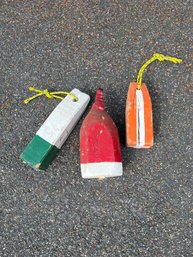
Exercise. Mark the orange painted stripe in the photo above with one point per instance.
(131, 122)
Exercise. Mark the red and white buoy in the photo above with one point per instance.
(100, 154)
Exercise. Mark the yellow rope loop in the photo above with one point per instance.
(48, 94)
(156, 56)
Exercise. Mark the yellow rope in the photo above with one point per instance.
(156, 56)
(48, 94)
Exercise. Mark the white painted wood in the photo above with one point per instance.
(101, 169)
(58, 126)
(140, 119)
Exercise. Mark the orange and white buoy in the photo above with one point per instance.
(139, 121)
(139, 118)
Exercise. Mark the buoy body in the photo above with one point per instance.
(44, 146)
(100, 154)
(139, 120)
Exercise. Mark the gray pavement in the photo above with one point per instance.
(91, 44)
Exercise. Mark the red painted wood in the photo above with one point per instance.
(99, 139)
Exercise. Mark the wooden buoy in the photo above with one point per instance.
(55, 130)
(138, 115)
(139, 121)
(100, 154)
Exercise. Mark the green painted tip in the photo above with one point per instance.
(39, 153)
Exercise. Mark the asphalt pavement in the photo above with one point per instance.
(60, 45)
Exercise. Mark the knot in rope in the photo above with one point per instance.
(47, 93)
(159, 57)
